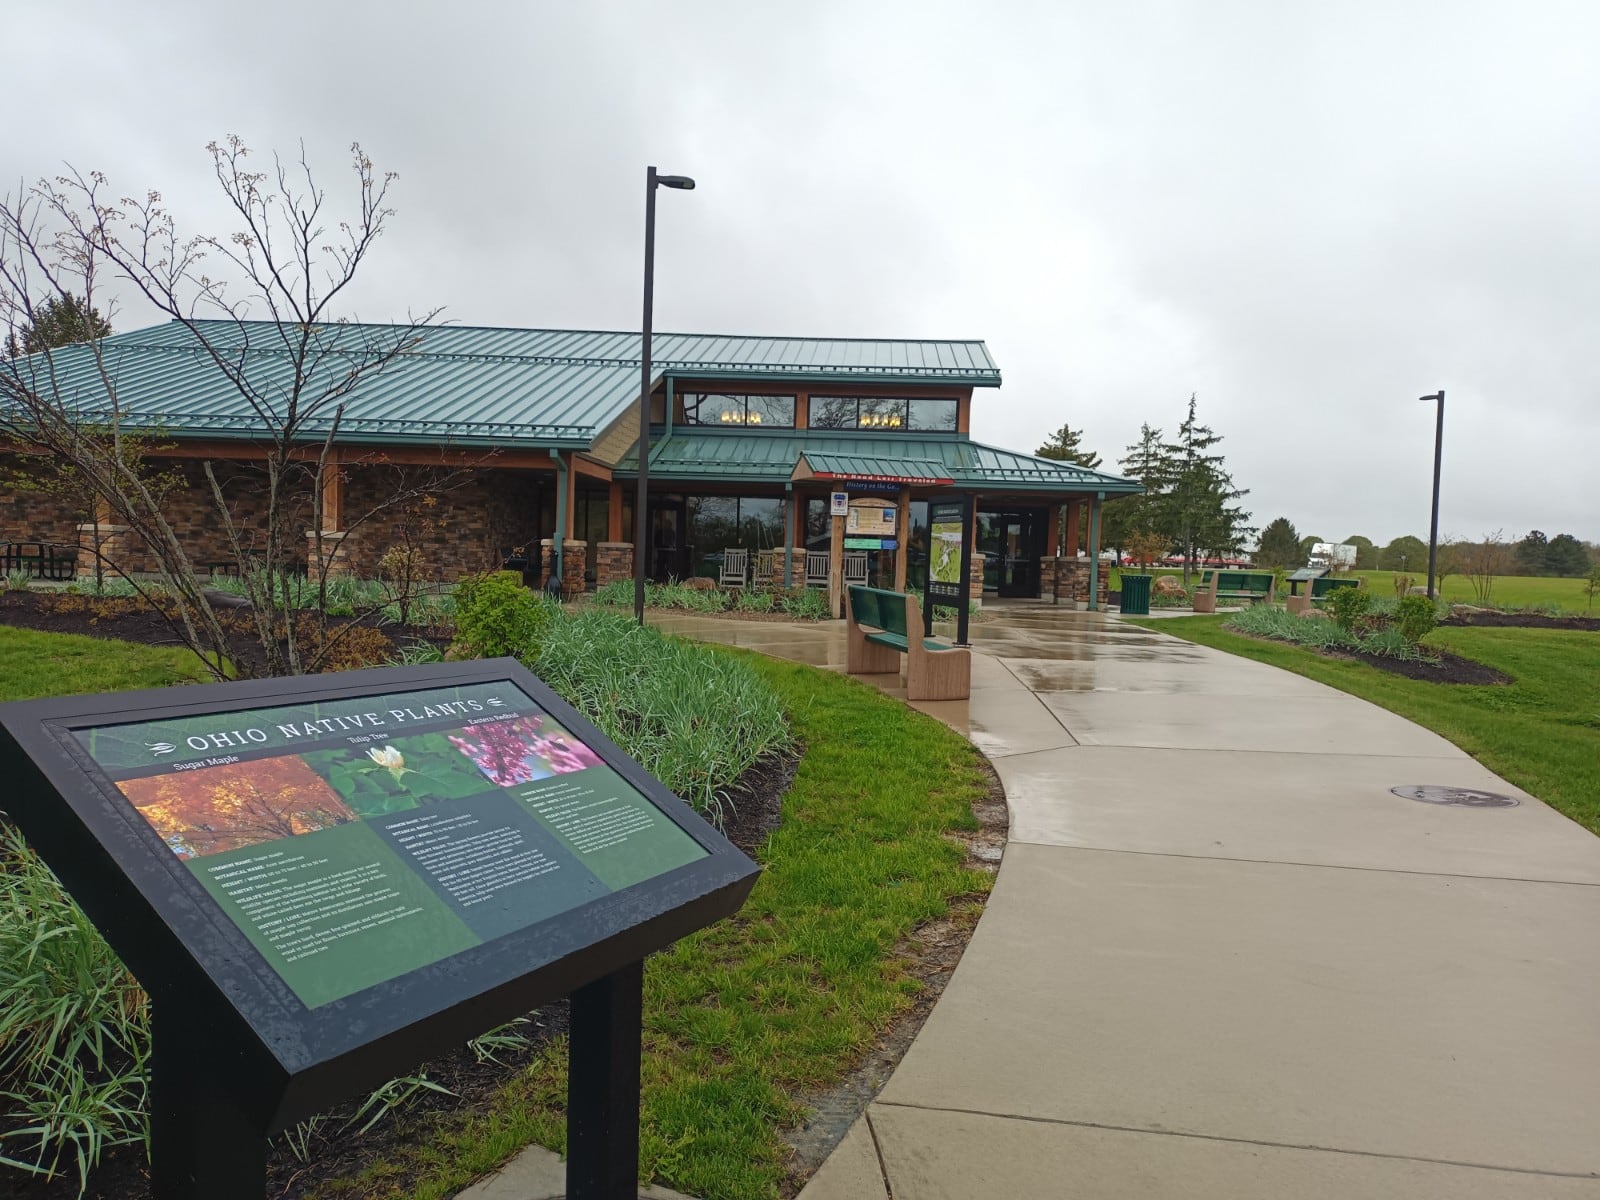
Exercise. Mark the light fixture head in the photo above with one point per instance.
(1434, 396)
(682, 182)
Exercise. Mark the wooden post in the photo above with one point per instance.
(1094, 554)
(614, 513)
(1069, 548)
(902, 535)
(332, 496)
(572, 496)
(1052, 531)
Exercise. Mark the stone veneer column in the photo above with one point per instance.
(574, 561)
(333, 562)
(115, 548)
(612, 561)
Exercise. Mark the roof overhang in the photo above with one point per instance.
(846, 468)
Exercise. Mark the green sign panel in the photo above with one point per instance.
(355, 840)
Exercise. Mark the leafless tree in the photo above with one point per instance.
(1484, 561)
(259, 309)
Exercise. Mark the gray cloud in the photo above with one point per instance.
(1310, 215)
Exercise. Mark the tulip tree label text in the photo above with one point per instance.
(353, 841)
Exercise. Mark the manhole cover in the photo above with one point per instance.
(1460, 797)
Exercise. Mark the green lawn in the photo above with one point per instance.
(34, 664)
(786, 997)
(1541, 732)
(1510, 591)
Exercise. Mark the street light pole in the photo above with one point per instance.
(1438, 458)
(640, 507)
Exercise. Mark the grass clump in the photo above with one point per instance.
(694, 717)
(801, 603)
(74, 1028)
(1541, 731)
(1370, 631)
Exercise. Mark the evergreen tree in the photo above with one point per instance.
(1148, 461)
(1279, 545)
(1532, 552)
(1566, 556)
(60, 321)
(1062, 446)
(1200, 517)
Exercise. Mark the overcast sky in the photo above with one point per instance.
(1308, 214)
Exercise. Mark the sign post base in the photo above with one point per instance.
(201, 1145)
(603, 1087)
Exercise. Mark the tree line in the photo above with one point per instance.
(1536, 554)
(1189, 508)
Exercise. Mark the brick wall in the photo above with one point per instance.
(612, 561)
(462, 522)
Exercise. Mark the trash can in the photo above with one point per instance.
(1135, 595)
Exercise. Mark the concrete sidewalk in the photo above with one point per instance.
(1222, 960)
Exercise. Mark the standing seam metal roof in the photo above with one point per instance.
(471, 385)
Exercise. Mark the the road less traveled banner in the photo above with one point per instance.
(353, 841)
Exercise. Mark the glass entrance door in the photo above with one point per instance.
(668, 554)
(1011, 543)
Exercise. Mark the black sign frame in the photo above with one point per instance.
(234, 1048)
(936, 593)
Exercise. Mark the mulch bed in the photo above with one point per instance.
(1451, 668)
(1503, 620)
(124, 620)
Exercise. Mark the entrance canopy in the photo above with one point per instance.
(845, 467)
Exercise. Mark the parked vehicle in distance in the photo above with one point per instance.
(1331, 556)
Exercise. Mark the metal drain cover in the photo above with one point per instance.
(1460, 797)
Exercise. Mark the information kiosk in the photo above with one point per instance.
(324, 881)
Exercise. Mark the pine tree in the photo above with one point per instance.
(1062, 446)
(60, 321)
(1201, 519)
(1148, 461)
(1566, 556)
(1279, 545)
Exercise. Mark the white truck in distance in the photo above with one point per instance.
(1333, 556)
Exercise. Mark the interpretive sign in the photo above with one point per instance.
(949, 560)
(838, 503)
(321, 882)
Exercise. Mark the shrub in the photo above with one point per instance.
(1346, 606)
(18, 580)
(496, 616)
(1415, 617)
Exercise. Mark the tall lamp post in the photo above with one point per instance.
(1438, 451)
(652, 181)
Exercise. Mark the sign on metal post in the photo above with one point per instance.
(949, 561)
(322, 882)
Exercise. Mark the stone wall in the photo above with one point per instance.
(1067, 581)
(462, 522)
(30, 515)
(574, 563)
(612, 561)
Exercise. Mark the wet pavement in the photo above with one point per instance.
(1222, 959)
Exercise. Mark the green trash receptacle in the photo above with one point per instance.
(1135, 595)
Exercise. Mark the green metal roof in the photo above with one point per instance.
(743, 456)
(504, 387)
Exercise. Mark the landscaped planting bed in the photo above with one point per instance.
(860, 844)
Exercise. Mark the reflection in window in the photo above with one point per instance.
(714, 408)
(718, 523)
(883, 413)
(936, 416)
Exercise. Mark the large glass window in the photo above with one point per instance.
(716, 523)
(715, 408)
(934, 416)
(883, 413)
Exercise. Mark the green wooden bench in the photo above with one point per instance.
(882, 626)
(1317, 592)
(1253, 586)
